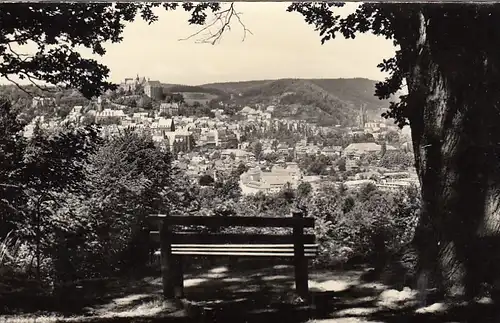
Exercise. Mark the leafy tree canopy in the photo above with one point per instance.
(59, 29)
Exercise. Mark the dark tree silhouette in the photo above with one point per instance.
(447, 56)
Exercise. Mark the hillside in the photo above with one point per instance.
(356, 91)
(235, 87)
(328, 101)
(300, 99)
(178, 88)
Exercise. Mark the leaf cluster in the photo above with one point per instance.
(59, 30)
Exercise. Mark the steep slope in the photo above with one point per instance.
(337, 100)
(234, 87)
(357, 91)
(300, 99)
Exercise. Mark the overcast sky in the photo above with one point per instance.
(282, 46)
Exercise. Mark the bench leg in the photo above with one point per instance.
(173, 277)
(301, 277)
(178, 277)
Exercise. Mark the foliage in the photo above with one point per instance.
(194, 89)
(196, 110)
(79, 204)
(220, 198)
(130, 178)
(126, 100)
(392, 137)
(357, 232)
(257, 149)
(41, 170)
(316, 164)
(363, 224)
(383, 149)
(12, 146)
(341, 164)
(242, 168)
(110, 121)
(174, 97)
(364, 137)
(58, 30)
(397, 159)
(206, 180)
(304, 190)
(9, 248)
(145, 103)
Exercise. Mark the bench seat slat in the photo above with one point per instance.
(255, 246)
(238, 250)
(277, 250)
(234, 253)
(253, 254)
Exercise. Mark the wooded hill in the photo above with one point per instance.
(325, 101)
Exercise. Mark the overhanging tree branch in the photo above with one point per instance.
(223, 18)
(57, 30)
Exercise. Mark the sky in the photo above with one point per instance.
(281, 45)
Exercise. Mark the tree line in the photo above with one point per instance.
(76, 203)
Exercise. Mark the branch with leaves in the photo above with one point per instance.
(57, 30)
(395, 22)
(222, 21)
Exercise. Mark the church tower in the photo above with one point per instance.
(362, 116)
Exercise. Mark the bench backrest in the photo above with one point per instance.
(297, 222)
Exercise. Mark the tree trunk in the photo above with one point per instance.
(454, 114)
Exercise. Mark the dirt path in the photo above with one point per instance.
(253, 295)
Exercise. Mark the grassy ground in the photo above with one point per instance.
(245, 293)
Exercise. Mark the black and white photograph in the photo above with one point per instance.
(301, 162)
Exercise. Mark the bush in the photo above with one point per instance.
(370, 225)
(366, 225)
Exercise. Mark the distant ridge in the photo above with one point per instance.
(323, 101)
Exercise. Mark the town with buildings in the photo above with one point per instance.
(269, 152)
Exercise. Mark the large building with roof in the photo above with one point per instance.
(255, 180)
(356, 150)
(153, 89)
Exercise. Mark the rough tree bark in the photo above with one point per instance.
(454, 113)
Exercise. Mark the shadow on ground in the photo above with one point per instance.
(246, 293)
(249, 292)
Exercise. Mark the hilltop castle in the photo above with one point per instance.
(131, 84)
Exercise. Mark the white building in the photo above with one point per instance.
(255, 180)
(109, 113)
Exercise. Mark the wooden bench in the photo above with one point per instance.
(174, 245)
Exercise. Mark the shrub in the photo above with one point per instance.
(369, 225)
